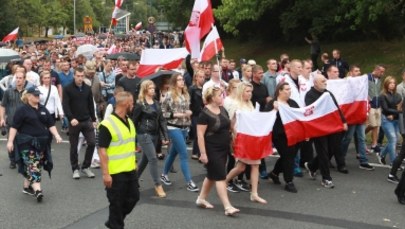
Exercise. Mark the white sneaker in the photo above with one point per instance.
(88, 173)
(95, 164)
(76, 174)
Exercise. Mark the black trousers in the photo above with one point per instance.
(307, 152)
(87, 130)
(321, 161)
(335, 149)
(285, 164)
(123, 196)
(400, 190)
(314, 58)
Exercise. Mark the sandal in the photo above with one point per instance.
(256, 198)
(203, 203)
(231, 211)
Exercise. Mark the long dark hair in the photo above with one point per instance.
(279, 87)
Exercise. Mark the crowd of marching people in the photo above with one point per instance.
(197, 105)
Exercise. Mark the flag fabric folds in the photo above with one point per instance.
(117, 12)
(201, 21)
(352, 96)
(11, 36)
(211, 45)
(318, 119)
(154, 59)
(254, 134)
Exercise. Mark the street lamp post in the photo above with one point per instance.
(74, 16)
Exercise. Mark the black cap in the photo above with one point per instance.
(242, 61)
(33, 90)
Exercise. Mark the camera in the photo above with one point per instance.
(3, 130)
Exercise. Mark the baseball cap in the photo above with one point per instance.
(34, 90)
(90, 66)
(242, 61)
(251, 62)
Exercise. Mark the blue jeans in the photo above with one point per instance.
(391, 128)
(360, 131)
(178, 146)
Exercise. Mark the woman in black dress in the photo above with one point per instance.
(213, 134)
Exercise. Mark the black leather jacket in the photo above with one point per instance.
(149, 119)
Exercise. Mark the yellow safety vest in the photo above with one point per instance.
(121, 152)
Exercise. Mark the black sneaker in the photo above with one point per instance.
(232, 188)
(12, 165)
(39, 195)
(290, 187)
(274, 178)
(376, 149)
(393, 179)
(366, 167)
(29, 191)
(343, 170)
(381, 159)
(192, 187)
(242, 185)
(165, 180)
(311, 174)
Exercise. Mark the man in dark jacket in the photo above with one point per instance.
(322, 144)
(78, 106)
(341, 64)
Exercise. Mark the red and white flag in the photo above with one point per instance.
(167, 59)
(117, 11)
(11, 36)
(211, 45)
(352, 96)
(318, 119)
(254, 134)
(138, 26)
(200, 24)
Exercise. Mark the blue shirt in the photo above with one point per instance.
(65, 79)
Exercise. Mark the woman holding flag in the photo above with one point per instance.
(243, 99)
(285, 164)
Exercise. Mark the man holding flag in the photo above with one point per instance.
(321, 160)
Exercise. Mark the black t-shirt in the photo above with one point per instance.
(259, 95)
(130, 85)
(104, 135)
(278, 128)
(55, 78)
(31, 121)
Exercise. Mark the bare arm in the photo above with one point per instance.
(55, 133)
(11, 137)
(201, 142)
(107, 179)
(2, 118)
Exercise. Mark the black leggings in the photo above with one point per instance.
(285, 164)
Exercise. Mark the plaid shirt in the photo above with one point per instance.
(11, 101)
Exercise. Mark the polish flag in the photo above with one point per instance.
(200, 24)
(117, 11)
(211, 45)
(154, 59)
(138, 26)
(352, 96)
(253, 139)
(11, 36)
(318, 119)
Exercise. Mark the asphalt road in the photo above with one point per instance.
(361, 199)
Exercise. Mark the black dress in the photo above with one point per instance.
(217, 138)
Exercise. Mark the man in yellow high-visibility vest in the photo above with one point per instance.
(118, 162)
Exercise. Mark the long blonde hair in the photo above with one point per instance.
(173, 90)
(243, 105)
(144, 90)
(386, 84)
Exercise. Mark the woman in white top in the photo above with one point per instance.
(243, 100)
(49, 96)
